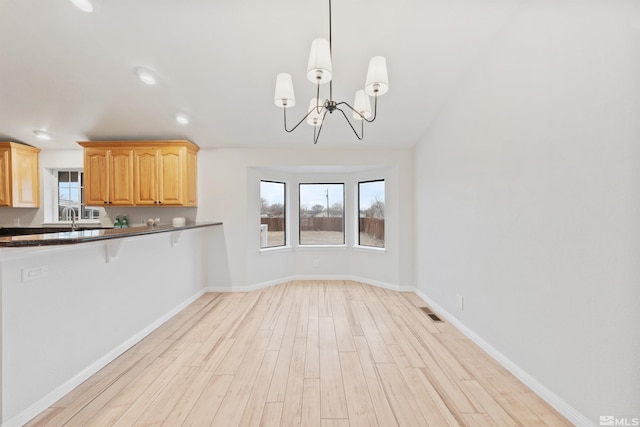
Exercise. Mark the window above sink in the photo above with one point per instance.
(64, 196)
(70, 200)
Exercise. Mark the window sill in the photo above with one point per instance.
(275, 250)
(68, 223)
(381, 251)
(316, 247)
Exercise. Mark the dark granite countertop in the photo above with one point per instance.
(17, 231)
(83, 236)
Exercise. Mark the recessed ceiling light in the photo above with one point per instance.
(146, 75)
(42, 134)
(83, 5)
(182, 118)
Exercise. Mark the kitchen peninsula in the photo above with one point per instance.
(74, 301)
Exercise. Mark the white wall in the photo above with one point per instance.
(528, 201)
(85, 311)
(229, 182)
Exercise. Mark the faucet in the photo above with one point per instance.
(65, 214)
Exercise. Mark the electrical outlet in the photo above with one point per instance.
(316, 262)
(460, 302)
(34, 273)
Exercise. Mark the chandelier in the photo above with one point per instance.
(319, 72)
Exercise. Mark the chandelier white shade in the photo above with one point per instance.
(320, 71)
(319, 67)
(362, 106)
(284, 96)
(377, 77)
(316, 113)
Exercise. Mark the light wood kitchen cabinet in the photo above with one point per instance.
(163, 173)
(108, 176)
(192, 178)
(5, 171)
(160, 176)
(20, 185)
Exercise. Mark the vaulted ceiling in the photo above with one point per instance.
(72, 73)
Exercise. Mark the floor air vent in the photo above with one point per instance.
(435, 317)
(431, 314)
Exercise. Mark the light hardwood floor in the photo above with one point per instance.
(309, 353)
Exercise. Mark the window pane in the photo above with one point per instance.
(64, 196)
(74, 194)
(322, 214)
(71, 196)
(63, 176)
(89, 213)
(371, 213)
(272, 214)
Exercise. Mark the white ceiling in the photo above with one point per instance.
(72, 73)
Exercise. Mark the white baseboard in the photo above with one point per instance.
(50, 398)
(538, 388)
(392, 287)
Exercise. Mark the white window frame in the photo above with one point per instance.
(286, 218)
(344, 216)
(54, 201)
(358, 244)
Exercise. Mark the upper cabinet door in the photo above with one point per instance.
(192, 179)
(26, 184)
(19, 176)
(121, 177)
(146, 177)
(96, 177)
(171, 179)
(5, 178)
